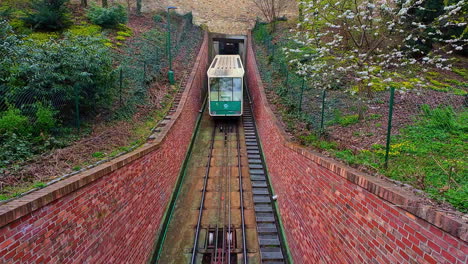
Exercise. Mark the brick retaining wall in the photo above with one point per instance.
(334, 214)
(109, 214)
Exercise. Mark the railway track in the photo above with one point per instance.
(220, 243)
(225, 211)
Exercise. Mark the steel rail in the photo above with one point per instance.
(241, 194)
(226, 169)
(229, 203)
(220, 191)
(202, 202)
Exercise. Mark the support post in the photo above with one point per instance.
(144, 73)
(302, 93)
(77, 107)
(323, 111)
(121, 85)
(287, 78)
(389, 131)
(170, 73)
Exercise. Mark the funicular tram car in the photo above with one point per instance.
(225, 82)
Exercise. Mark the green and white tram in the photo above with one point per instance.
(225, 82)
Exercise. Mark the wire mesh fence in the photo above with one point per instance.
(148, 61)
(143, 62)
(360, 123)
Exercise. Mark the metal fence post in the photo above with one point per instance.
(273, 50)
(121, 84)
(390, 115)
(323, 110)
(77, 106)
(144, 73)
(302, 93)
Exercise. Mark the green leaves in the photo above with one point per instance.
(48, 15)
(108, 17)
(49, 71)
(12, 121)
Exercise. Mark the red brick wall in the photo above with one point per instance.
(115, 218)
(330, 219)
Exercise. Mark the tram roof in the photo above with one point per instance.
(226, 66)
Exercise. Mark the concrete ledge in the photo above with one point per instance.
(454, 223)
(22, 206)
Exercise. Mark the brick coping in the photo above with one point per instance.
(16, 208)
(454, 223)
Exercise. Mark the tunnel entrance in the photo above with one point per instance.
(228, 47)
(222, 44)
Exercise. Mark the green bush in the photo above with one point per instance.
(12, 121)
(124, 34)
(14, 148)
(45, 119)
(55, 71)
(43, 37)
(85, 30)
(157, 19)
(48, 15)
(107, 17)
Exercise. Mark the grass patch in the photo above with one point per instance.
(462, 72)
(315, 141)
(348, 120)
(430, 155)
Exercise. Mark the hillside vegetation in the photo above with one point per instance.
(329, 76)
(80, 85)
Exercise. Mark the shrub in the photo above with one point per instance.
(85, 30)
(45, 119)
(12, 121)
(14, 149)
(157, 19)
(52, 70)
(48, 15)
(107, 17)
(43, 37)
(124, 34)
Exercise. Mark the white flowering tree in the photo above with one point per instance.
(364, 40)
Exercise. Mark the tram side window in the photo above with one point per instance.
(214, 89)
(225, 89)
(237, 89)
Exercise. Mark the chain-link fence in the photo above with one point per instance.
(147, 60)
(422, 143)
(143, 62)
(38, 123)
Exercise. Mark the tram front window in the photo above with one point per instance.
(221, 89)
(225, 89)
(237, 90)
(214, 89)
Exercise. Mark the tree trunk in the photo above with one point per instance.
(104, 3)
(139, 7)
(84, 3)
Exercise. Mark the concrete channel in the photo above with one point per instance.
(179, 241)
(223, 210)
